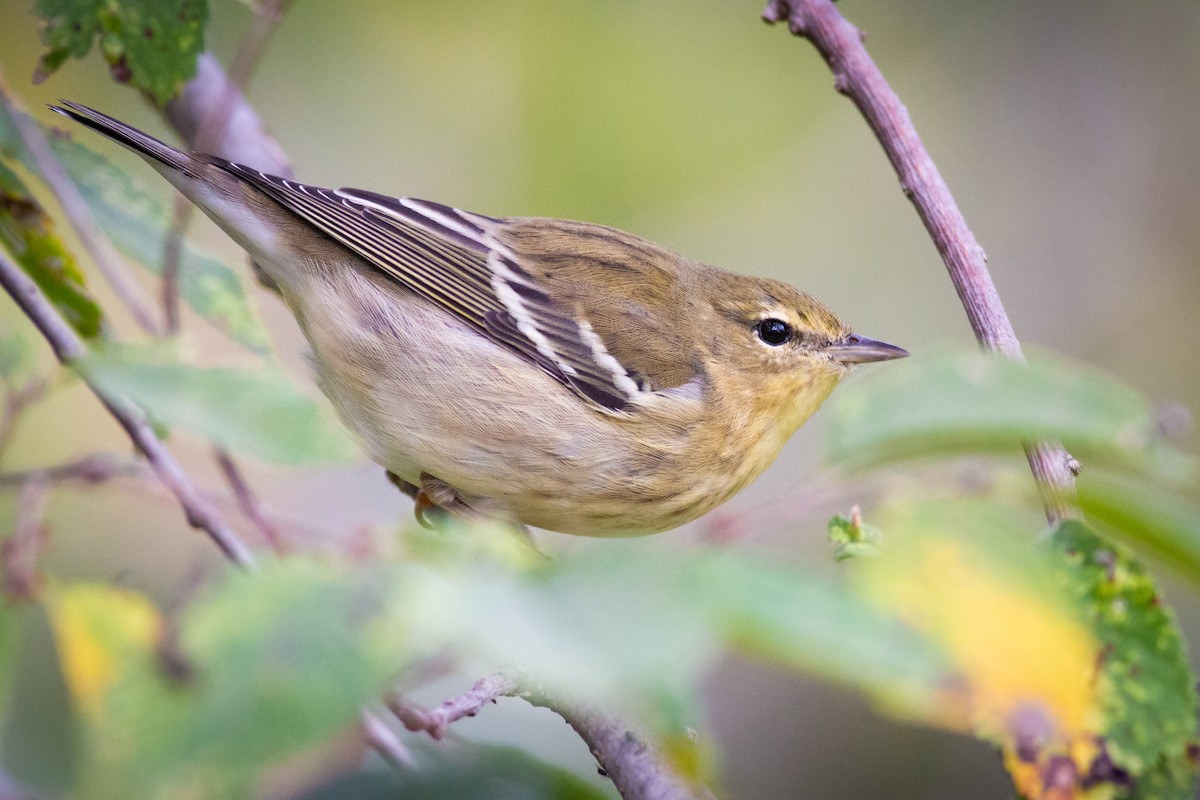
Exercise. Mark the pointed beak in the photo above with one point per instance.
(855, 349)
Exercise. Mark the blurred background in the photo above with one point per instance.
(1067, 131)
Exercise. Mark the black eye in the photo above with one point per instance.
(774, 331)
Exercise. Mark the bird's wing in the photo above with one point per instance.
(453, 259)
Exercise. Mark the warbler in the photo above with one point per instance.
(558, 374)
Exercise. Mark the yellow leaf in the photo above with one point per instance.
(99, 630)
(1025, 662)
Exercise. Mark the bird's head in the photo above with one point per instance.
(780, 350)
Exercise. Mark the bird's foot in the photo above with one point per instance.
(433, 500)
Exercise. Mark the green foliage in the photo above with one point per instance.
(28, 234)
(851, 537)
(970, 403)
(278, 680)
(1146, 684)
(150, 44)
(467, 771)
(10, 184)
(1165, 523)
(16, 354)
(485, 772)
(1135, 483)
(257, 411)
(269, 664)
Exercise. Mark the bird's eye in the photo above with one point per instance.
(774, 331)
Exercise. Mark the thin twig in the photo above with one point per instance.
(384, 741)
(210, 135)
(16, 402)
(856, 76)
(92, 468)
(636, 768)
(68, 347)
(248, 502)
(96, 468)
(436, 721)
(22, 550)
(105, 256)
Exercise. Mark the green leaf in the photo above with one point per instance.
(258, 411)
(16, 354)
(199, 705)
(957, 403)
(475, 771)
(1146, 684)
(851, 537)
(137, 221)
(1163, 523)
(150, 44)
(286, 677)
(28, 234)
(10, 636)
(634, 624)
(9, 182)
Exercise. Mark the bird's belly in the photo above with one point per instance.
(427, 394)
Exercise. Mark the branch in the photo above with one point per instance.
(435, 722)
(92, 468)
(246, 139)
(21, 551)
(16, 402)
(857, 76)
(248, 502)
(383, 740)
(635, 767)
(68, 347)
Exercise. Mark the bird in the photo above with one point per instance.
(551, 373)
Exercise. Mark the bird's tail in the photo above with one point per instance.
(156, 152)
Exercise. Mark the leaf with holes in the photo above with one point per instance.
(1146, 686)
(149, 44)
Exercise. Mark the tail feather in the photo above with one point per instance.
(143, 144)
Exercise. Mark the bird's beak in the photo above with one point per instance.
(855, 349)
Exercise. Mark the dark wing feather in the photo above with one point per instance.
(453, 258)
